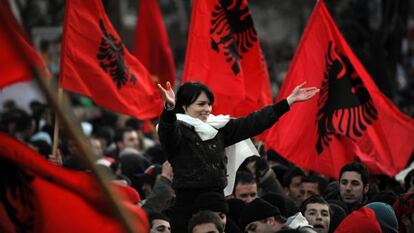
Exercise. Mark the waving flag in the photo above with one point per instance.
(224, 53)
(350, 120)
(95, 63)
(38, 196)
(18, 58)
(151, 45)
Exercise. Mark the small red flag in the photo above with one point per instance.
(95, 63)
(350, 119)
(151, 45)
(223, 52)
(18, 58)
(38, 196)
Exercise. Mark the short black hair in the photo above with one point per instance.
(157, 215)
(293, 172)
(313, 199)
(244, 177)
(315, 178)
(188, 94)
(119, 134)
(358, 168)
(205, 216)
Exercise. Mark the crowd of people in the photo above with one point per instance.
(179, 170)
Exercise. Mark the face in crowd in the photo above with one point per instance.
(130, 139)
(318, 215)
(294, 190)
(160, 226)
(200, 108)
(246, 192)
(309, 189)
(351, 187)
(205, 228)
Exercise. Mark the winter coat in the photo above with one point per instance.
(201, 164)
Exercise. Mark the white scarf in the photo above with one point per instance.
(208, 130)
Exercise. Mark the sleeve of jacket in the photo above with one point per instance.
(253, 124)
(162, 196)
(270, 184)
(168, 131)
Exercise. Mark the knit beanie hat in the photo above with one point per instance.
(256, 210)
(277, 200)
(361, 221)
(211, 201)
(385, 216)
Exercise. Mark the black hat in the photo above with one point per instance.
(277, 200)
(235, 208)
(256, 210)
(211, 201)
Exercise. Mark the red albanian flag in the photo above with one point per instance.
(95, 63)
(350, 119)
(18, 58)
(38, 196)
(224, 53)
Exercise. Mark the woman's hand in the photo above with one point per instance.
(167, 95)
(300, 94)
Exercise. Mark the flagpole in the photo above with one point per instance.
(56, 125)
(66, 118)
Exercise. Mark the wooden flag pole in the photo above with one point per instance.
(56, 125)
(67, 119)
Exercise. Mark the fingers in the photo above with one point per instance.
(310, 88)
(301, 85)
(160, 87)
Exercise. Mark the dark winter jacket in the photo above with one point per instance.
(202, 164)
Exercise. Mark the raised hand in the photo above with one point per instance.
(300, 93)
(167, 94)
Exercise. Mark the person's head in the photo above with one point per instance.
(353, 183)
(292, 182)
(105, 134)
(127, 138)
(159, 223)
(360, 220)
(194, 99)
(312, 184)
(279, 200)
(96, 146)
(24, 125)
(385, 216)
(316, 210)
(245, 187)
(214, 202)
(259, 216)
(338, 213)
(235, 208)
(205, 221)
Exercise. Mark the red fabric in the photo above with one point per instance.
(223, 52)
(349, 118)
(151, 45)
(363, 220)
(129, 193)
(95, 63)
(38, 196)
(18, 57)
